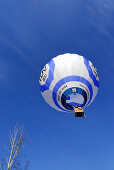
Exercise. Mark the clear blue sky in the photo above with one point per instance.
(31, 33)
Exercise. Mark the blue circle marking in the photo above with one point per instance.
(66, 96)
(68, 79)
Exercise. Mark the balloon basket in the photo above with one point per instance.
(79, 112)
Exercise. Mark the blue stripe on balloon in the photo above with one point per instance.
(86, 62)
(68, 79)
(50, 78)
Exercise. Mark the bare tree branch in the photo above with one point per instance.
(17, 140)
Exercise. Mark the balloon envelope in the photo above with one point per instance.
(69, 80)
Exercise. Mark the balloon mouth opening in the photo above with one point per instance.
(72, 97)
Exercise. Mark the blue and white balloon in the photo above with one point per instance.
(69, 80)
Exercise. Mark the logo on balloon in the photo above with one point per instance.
(74, 89)
(43, 75)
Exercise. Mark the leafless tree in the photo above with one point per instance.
(17, 140)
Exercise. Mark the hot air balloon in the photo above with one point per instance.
(69, 83)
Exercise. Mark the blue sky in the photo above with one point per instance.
(31, 33)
